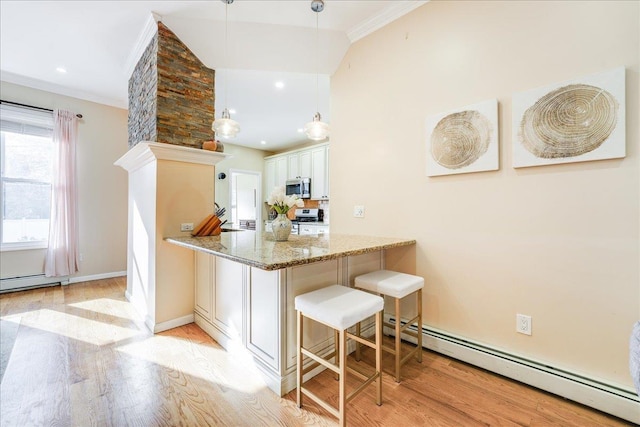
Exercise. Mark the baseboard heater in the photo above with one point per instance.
(29, 282)
(604, 397)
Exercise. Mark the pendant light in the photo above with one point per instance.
(317, 130)
(225, 127)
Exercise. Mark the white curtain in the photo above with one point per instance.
(62, 253)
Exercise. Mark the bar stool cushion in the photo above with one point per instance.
(338, 306)
(391, 283)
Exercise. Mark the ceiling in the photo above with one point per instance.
(98, 43)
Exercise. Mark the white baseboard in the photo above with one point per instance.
(79, 279)
(169, 324)
(608, 398)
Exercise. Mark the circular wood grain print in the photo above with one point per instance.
(460, 139)
(569, 121)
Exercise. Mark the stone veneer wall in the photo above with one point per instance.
(171, 94)
(143, 86)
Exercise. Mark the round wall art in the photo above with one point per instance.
(572, 121)
(569, 121)
(459, 139)
(463, 140)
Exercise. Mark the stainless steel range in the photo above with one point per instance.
(309, 215)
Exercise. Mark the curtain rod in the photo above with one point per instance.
(31, 106)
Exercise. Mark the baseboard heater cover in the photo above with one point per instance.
(29, 282)
(604, 397)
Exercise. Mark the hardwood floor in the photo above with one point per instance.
(78, 356)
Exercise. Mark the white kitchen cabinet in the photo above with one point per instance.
(245, 307)
(269, 177)
(312, 162)
(263, 317)
(275, 171)
(293, 165)
(304, 163)
(320, 173)
(281, 170)
(205, 267)
(228, 297)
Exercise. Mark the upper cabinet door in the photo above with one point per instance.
(269, 177)
(293, 166)
(281, 171)
(319, 189)
(304, 164)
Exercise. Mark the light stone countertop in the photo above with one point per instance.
(262, 251)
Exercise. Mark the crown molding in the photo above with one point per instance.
(30, 82)
(148, 31)
(386, 16)
(146, 152)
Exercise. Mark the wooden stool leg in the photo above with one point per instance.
(299, 322)
(358, 352)
(379, 319)
(398, 339)
(419, 299)
(343, 378)
(336, 358)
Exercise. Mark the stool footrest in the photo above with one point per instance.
(355, 392)
(361, 340)
(320, 360)
(314, 365)
(333, 411)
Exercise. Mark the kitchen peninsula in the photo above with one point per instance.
(245, 285)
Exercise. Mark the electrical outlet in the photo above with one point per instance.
(523, 324)
(186, 226)
(358, 211)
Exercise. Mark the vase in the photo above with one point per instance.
(281, 227)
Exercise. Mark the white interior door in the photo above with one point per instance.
(245, 197)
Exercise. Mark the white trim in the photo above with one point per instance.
(613, 399)
(386, 16)
(145, 152)
(144, 38)
(61, 90)
(169, 324)
(78, 279)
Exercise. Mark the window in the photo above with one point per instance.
(26, 162)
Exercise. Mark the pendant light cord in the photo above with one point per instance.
(317, 63)
(226, 71)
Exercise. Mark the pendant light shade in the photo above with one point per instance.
(225, 127)
(317, 130)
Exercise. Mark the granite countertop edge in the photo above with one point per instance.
(194, 244)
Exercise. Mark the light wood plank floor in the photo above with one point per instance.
(78, 356)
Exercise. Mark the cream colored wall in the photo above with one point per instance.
(185, 194)
(244, 158)
(102, 187)
(559, 243)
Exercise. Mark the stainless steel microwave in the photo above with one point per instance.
(299, 186)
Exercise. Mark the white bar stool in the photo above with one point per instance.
(339, 308)
(396, 285)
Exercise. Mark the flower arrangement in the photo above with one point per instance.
(279, 201)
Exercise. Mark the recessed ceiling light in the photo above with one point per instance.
(279, 85)
(232, 111)
(300, 130)
(61, 70)
(263, 142)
